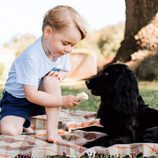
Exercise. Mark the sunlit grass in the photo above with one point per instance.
(90, 105)
(149, 92)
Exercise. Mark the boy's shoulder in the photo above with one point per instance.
(35, 46)
(32, 51)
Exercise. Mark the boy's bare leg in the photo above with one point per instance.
(9, 125)
(52, 86)
(52, 124)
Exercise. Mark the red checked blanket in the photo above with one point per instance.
(35, 145)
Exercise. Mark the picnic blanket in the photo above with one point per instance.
(36, 146)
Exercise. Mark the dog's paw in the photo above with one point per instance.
(102, 141)
(82, 96)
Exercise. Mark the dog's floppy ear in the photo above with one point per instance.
(126, 92)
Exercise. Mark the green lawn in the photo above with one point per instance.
(148, 90)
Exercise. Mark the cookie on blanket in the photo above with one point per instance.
(82, 96)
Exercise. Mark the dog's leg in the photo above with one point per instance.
(102, 141)
(107, 141)
(92, 128)
(147, 118)
(150, 135)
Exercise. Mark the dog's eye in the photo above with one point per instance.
(105, 74)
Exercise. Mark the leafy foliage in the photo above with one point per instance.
(20, 42)
(1, 70)
(105, 41)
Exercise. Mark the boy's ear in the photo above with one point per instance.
(47, 31)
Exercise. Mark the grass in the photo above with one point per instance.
(148, 90)
(89, 105)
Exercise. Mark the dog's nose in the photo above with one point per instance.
(87, 82)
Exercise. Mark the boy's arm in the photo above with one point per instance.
(42, 98)
(48, 100)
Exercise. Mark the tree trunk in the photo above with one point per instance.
(139, 49)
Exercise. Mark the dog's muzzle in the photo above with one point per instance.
(88, 84)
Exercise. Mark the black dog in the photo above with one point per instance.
(122, 112)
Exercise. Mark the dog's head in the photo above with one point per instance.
(117, 85)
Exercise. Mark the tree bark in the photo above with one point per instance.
(139, 49)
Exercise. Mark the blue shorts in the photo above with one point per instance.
(21, 107)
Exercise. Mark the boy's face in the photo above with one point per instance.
(58, 43)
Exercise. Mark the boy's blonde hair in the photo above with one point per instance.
(63, 16)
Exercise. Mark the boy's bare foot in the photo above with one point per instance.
(53, 138)
(29, 129)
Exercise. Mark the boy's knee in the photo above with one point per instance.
(9, 130)
(50, 84)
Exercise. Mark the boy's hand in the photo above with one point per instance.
(70, 101)
(56, 74)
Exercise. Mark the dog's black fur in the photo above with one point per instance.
(122, 112)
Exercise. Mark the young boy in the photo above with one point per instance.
(32, 87)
